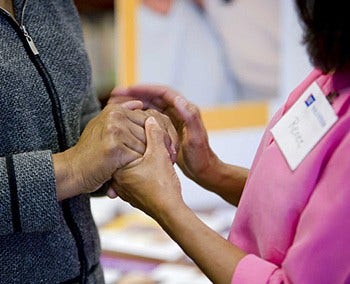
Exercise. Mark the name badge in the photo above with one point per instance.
(303, 125)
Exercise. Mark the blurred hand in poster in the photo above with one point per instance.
(164, 6)
(159, 6)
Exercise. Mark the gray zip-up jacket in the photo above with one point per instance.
(45, 100)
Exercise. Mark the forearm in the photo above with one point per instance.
(213, 254)
(160, 197)
(225, 180)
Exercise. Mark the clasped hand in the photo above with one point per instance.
(150, 182)
(110, 141)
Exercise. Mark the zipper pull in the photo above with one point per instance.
(29, 40)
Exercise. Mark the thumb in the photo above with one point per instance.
(155, 137)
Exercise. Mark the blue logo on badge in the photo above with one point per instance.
(310, 100)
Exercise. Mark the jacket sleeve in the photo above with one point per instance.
(91, 108)
(28, 201)
(320, 251)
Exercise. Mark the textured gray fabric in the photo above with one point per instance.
(43, 251)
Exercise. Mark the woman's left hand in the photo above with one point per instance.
(150, 183)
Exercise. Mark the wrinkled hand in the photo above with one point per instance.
(111, 140)
(171, 139)
(150, 182)
(195, 155)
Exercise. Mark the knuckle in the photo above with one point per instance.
(116, 115)
(113, 129)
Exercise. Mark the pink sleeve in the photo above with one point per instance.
(320, 252)
(245, 273)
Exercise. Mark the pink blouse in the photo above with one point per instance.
(295, 225)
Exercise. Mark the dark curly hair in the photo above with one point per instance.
(326, 26)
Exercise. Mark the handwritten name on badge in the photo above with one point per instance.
(303, 125)
(295, 132)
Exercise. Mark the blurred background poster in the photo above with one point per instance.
(212, 51)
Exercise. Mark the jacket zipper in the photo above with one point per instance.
(34, 56)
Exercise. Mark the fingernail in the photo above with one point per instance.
(151, 120)
(173, 149)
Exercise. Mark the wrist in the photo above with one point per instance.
(207, 177)
(68, 182)
(167, 217)
(225, 180)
